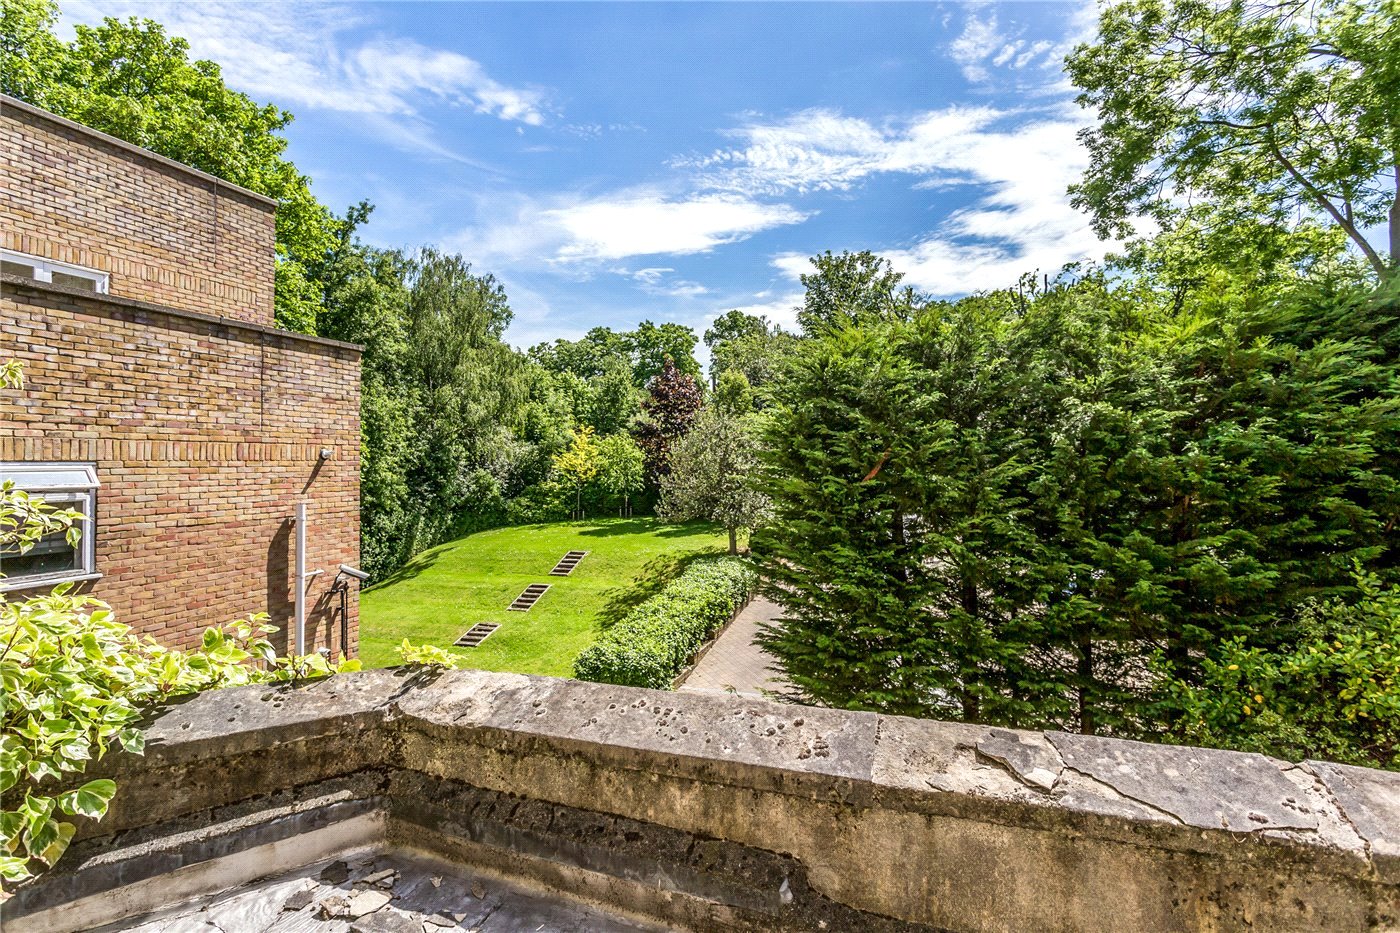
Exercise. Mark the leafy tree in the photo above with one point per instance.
(672, 403)
(579, 464)
(454, 422)
(652, 345)
(1269, 106)
(711, 475)
(735, 325)
(733, 395)
(852, 288)
(589, 356)
(748, 345)
(621, 468)
(128, 78)
(644, 350)
(612, 403)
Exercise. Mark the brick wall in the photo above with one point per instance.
(206, 433)
(164, 232)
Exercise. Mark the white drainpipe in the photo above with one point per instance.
(299, 581)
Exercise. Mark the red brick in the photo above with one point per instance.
(205, 432)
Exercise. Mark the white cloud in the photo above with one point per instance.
(655, 281)
(979, 41)
(1018, 167)
(298, 55)
(824, 150)
(645, 224)
(985, 47)
(574, 231)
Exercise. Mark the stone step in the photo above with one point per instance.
(567, 563)
(475, 635)
(528, 597)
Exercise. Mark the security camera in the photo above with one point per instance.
(355, 572)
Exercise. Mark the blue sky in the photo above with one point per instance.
(614, 162)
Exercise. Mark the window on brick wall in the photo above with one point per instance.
(57, 273)
(53, 559)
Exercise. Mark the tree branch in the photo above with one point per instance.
(1322, 200)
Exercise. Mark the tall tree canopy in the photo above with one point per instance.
(1277, 108)
(643, 350)
(852, 288)
(1041, 511)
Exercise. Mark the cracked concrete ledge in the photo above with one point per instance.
(945, 825)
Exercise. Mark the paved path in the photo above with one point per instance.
(734, 664)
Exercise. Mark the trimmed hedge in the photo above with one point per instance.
(650, 645)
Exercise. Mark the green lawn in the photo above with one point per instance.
(444, 591)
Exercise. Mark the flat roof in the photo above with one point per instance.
(7, 101)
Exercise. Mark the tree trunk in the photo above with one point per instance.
(734, 540)
(1086, 677)
(971, 602)
(1395, 221)
(897, 533)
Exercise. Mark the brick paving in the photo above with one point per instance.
(734, 663)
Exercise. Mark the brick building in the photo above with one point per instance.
(160, 398)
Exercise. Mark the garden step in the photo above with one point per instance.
(567, 563)
(528, 597)
(475, 635)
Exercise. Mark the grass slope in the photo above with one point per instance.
(444, 591)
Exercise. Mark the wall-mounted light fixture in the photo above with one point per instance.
(327, 453)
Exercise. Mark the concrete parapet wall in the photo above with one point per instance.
(714, 812)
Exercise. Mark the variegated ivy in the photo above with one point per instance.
(74, 681)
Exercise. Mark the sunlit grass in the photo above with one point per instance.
(444, 591)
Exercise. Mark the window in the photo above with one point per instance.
(57, 273)
(52, 559)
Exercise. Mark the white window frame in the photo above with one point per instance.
(45, 268)
(77, 489)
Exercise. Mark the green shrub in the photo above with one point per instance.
(653, 642)
(1331, 693)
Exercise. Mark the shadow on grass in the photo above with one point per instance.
(640, 526)
(416, 565)
(652, 579)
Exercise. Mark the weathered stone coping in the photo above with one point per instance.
(948, 826)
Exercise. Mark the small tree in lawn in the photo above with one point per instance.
(579, 462)
(711, 474)
(621, 468)
(671, 406)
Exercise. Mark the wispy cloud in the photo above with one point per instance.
(989, 51)
(660, 280)
(578, 231)
(824, 150)
(303, 56)
(1018, 165)
(985, 47)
